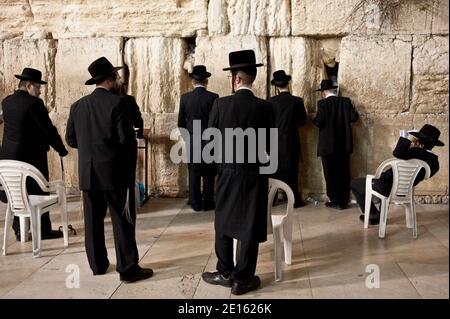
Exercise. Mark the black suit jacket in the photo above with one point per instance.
(403, 150)
(28, 131)
(241, 201)
(100, 128)
(334, 118)
(135, 115)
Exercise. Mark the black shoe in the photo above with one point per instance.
(299, 204)
(240, 289)
(215, 278)
(196, 208)
(101, 271)
(52, 234)
(372, 220)
(136, 274)
(209, 206)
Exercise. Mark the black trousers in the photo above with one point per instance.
(358, 187)
(197, 197)
(95, 204)
(244, 270)
(336, 169)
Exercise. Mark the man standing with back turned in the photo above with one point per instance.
(99, 127)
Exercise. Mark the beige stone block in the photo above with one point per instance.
(167, 178)
(430, 75)
(213, 52)
(327, 17)
(17, 54)
(81, 53)
(250, 17)
(295, 56)
(375, 73)
(86, 18)
(440, 17)
(157, 74)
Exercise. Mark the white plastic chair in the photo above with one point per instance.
(279, 225)
(13, 175)
(402, 192)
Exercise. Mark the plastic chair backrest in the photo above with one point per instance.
(404, 174)
(274, 185)
(13, 176)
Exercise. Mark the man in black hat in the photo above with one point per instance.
(290, 114)
(416, 145)
(27, 135)
(195, 107)
(99, 127)
(241, 210)
(334, 118)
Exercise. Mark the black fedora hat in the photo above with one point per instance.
(32, 75)
(100, 69)
(199, 73)
(242, 60)
(428, 134)
(326, 85)
(280, 78)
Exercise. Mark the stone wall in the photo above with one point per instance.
(396, 73)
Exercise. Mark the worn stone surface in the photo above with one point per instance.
(81, 53)
(375, 73)
(213, 52)
(85, 18)
(440, 18)
(17, 54)
(250, 17)
(430, 75)
(167, 178)
(157, 74)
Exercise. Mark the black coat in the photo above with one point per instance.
(290, 114)
(29, 133)
(196, 105)
(100, 128)
(403, 151)
(334, 118)
(241, 196)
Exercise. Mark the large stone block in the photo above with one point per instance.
(375, 73)
(325, 17)
(249, 17)
(167, 178)
(213, 52)
(430, 75)
(17, 54)
(86, 18)
(295, 56)
(72, 62)
(440, 17)
(157, 74)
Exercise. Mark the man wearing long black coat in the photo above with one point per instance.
(99, 127)
(290, 114)
(28, 135)
(334, 118)
(196, 106)
(241, 210)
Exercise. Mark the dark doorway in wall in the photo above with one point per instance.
(191, 44)
(329, 56)
(332, 72)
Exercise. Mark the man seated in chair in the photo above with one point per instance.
(417, 145)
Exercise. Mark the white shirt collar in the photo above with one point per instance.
(330, 94)
(244, 88)
(199, 86)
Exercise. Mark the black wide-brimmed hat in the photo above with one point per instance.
(100, 69)
(244, 60)
(199, 73)
(32, 75)
(428, 134)
(326, 85)
(280, 78)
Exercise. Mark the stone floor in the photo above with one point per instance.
(330, 255)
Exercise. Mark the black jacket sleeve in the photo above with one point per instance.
(319, 120)
(182, 119)
(71, 137)
(354, 116)
(301, 113)
(214, 115)
(44, 124)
